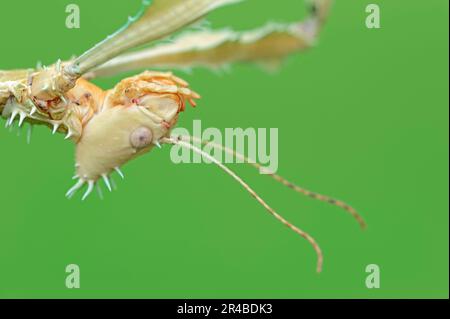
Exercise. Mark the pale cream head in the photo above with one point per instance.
(135, 115)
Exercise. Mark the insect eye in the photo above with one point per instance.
(141, 137)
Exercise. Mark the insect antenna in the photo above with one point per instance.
(282, 180)
(179, 141)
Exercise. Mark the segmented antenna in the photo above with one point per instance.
(311, 240)
(278, 178)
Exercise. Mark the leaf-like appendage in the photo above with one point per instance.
(157, 19)
(217, 48)
(214, 49)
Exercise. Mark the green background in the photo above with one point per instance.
(362, 117)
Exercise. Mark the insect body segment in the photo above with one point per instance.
(67, 113)
(132, 120)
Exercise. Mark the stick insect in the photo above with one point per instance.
(112, 127)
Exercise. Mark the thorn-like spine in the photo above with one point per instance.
(23, 116)
(76, 187)
(157, 144)
(69, 135)
(113, 184)
(58, 66)
(107, 183)
(88, 192)
(12, 118)
(117, 169)
(55, 128)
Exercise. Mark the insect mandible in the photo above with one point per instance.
(112, 127)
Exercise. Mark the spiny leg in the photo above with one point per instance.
(278, 178)
(311, 240)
